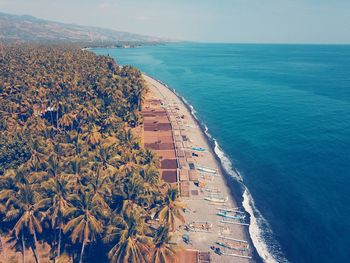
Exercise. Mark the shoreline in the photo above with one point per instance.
(234, 186)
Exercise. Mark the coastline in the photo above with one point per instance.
(238, 190)
(228, 185)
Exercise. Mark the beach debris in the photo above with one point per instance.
(224, 230)
(186, 239)
(204, 257)
(200, 184)
(199, 226)
(191, 165)
(207, 177)
(217, 250)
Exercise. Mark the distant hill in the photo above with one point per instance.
(25, 28)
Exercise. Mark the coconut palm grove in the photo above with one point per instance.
(75, 181)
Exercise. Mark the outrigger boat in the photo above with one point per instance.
(234, 222)
(231, 243)
(198, 149)
(215, 199)
(227, 209)
(199, 226)
(206, 170)
(212, 190)
(232, 214)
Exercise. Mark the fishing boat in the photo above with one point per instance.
(232, 214)
(227, 209)
(198, 149)
(216, 199)
(234, 222)
(213, 190)
(206, 170)
(231, 243)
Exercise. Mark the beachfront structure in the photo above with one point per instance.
(158, 136)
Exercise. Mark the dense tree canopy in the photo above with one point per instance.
(72, 174)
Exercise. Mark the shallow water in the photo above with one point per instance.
(281, 114)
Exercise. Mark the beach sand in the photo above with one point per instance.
(188, 134)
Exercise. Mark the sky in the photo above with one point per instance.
(228, 21)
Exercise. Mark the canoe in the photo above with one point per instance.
(198, 149)
(232, 215)
(232, 243)
(216, 199)
(206, 170)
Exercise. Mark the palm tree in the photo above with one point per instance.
(164, 251)
(2, 211)
(150, 174)
(77, 168)
(75, 138)
(67, 120)
(93, 136)
(107, 157)
(23, 208)
(150, 158)
(58, 190)
(37, 155)
(170, 209)
(128, 140)
(86, 223)
(131, 190)
(131, 235)
(53, 166)
(126, 163)
(99, 186)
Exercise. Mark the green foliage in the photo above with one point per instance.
(80, 181)
(13, 151)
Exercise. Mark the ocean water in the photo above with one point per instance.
(280, 115)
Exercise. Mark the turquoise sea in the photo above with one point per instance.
(280, 115)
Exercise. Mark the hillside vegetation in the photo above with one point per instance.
(72, 174)
(15, 28)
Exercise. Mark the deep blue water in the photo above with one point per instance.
(281, 113)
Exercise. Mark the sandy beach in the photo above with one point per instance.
(203, 188)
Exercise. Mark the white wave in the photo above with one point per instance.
(206, 131)
(261, 233)
(193, 111)
(225, 161)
